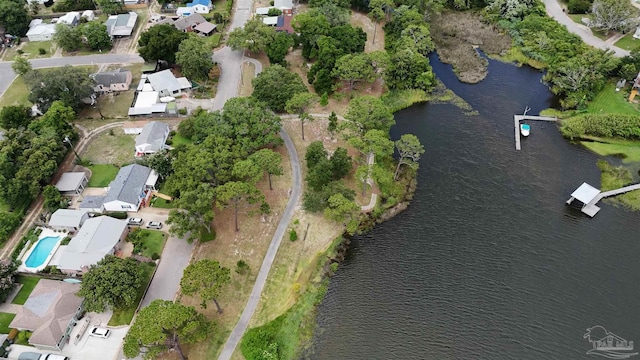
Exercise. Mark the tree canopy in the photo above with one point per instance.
(15, 117)
(410, 151)
(161, 42)
(617, 15)
(96, 34)
(194, 58)
(112, 283)
(164, 325)
(68, 84)
(195, 214)
(14, 17)
(8, 270)
(255, 36)
(21, 65)
(367, 113)
(275, 85)
(205, 278)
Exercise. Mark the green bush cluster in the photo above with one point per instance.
(9, 222)
(602, 125)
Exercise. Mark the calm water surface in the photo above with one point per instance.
(487, 262)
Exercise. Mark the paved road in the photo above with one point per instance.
(7, 75)
(555, 12)
(231, 61)
(254, 298)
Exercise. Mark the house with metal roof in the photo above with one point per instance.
(50, 312)
(68, 219)
(195, 7)
(71, 18)
(131, 188)
(112, 81)
(98, 237)
(72, 183)
(152, 138)
(121, 25)
(41, 32)
(92, 204)
(186, 24)
(166, 84)
(206, 28)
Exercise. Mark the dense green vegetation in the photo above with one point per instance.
(123, 315)
(602, 125)
(628, 150)
(616, 177)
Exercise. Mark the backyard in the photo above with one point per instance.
(102, 174)
(5, 320)
(627, 149)
(148, 243)
(610, 101)
(123, 316)
(28, 284)
(628, 42)
(111, 147)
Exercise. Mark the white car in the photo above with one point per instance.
(100, 332)
(154, 225)
(135, 221)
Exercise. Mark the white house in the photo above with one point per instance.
(152, 138)
(68, 219)
(41, 32)
(89, 15)
(133, 127)
(131, 189)
(283, 4)
(195, 7)
(98, 237)
(166, 84)
(70, 18)
(121, 25)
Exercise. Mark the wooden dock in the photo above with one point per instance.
(591, 209)
(518, 118)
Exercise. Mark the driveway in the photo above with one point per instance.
(554, 10)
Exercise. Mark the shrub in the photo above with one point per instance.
(324, 99)
(169, 142)
(65, 241)
(172, 133)
(42, 51)
(20, 51)
(334, 267)
(155, 256)
(183, 111)
(579, 6)
(118, 215)
(293, 235)
(242, 267)
(603, 125)
(274, 12)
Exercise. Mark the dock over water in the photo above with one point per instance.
(590, 196)
(518, 118)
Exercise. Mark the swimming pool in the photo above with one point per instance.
(41, 251)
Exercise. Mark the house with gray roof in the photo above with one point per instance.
(186, 24)
(50, 312)
(131, 189)
(72, 183)
(166, 84)
(152, 138)
(68, 219)
(92, 203)
(121, 25)
(112, 81)
(98, 237)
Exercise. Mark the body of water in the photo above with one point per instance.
(488, 262)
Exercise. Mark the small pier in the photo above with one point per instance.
(518, 118)
(590, 196)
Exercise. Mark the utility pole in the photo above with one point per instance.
(67, 141)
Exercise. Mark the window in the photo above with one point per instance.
(126, 206)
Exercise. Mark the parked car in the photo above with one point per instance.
(154, 225)
(100, 332)
(37, 356)
(53, 357)
(135, 221)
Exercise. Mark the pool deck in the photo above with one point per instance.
(45, 233)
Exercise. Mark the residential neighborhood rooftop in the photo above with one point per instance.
(67, 218)
(129, 184)
(122, 24)
(188, 21)
(153, 136)
(70, 181)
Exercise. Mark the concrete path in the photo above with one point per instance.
(371, 159)
(554, 10)
(254, 298)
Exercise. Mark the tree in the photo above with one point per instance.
(332, 126)
(276, 85)
(164, 325)
(419, 38)
(15, 117)
(160, 42)
(195, 212)
(374, 142)
(335, 14)
(110, 7)
(353, 68)
(269, 161)
(409, 70)
(206, 279)
(341, 163)
(53, 200)
(7, 278)
(14, 17)
(376, 14)
(315, 154)
(252, 125)
(367, 113)
(247, 170)
(255, 36)
(410, 150)
(279, 47)
(67, 37)
(21, 65)
(298, 104)
(160, 162)
(311, 26)
(386, 6)
(235, 193)
(617, 15)
(68, 84)
(112, 283)
(96, 34)
(58, 119)
(343, 210)
(194, 57)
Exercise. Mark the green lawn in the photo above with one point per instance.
(31, 49)
(629, 150)
(5, 320)
(16, 94)
(28, 283)
(124, 316)
(102, 175)
(179, 140)
(154, 243)
(214, 40)
(628, 42)
(609, 101)
(160, 202)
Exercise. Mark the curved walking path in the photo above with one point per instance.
(254, 298)
(554, 10)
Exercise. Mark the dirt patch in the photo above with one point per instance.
(363, 21)
(456, 34)
(249, 244)
(248, 73)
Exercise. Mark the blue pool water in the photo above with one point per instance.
(41, 252)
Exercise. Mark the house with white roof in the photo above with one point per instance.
(50, 312)
(70, 18)
(152, 138)
(195, 7)
(89, 15)
(131, 189)
(121, 25)
(41, 32)
(166, 84)
(98, 237)
(68, 219)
